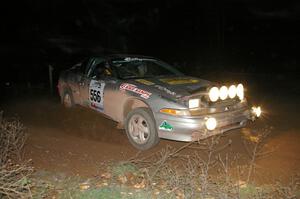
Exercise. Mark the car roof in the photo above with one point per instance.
(114, 56)
(129, 55)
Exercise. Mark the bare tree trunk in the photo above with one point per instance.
(1, 116)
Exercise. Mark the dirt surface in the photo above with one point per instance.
(81, 141)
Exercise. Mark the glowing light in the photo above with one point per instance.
(223, 92)
(214, 94)
(240, 91)
(232, 91)
(194, 103)
(211, 123)
(257, 111)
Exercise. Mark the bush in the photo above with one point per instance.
(12, 140)
(14, 174)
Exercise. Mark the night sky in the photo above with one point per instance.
(235, 35)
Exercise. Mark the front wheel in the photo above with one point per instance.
(141, 129)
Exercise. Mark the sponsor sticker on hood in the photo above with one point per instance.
(176, 81)
(165, 90)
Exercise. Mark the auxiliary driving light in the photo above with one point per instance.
(211, 123)
(214, 94)
(240, 91)
(232, 91)
(256, 111)
(223, 92)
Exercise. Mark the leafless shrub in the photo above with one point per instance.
(289, 190)
(254, 143)
(12, 140)
(205, 171)
(187, 174)
(1, 116)
(14, 181)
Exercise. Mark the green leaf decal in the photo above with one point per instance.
(166, 126)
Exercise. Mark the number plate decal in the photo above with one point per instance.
(96, 95)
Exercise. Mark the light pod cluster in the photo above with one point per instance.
(225, 92)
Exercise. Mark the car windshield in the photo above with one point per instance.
(131, 68)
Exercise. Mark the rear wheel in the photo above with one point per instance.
(67, 99)
(140, 129)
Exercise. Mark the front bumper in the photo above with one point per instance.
(193, 128)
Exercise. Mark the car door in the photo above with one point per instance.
(102, 89)
(93, 85)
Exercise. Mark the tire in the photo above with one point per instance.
(67, 99)
(141, 129)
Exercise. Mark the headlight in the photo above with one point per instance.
(223, 92)
(232, 91)
(194, 103)
(214, 94)
(211, 123)
(240, 91)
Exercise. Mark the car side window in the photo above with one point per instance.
(86, 66)
(82, 67)
(100, 70)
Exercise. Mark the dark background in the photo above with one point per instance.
(199, 37)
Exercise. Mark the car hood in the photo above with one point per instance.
(172, 87)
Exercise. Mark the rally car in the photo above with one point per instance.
(153, 100)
